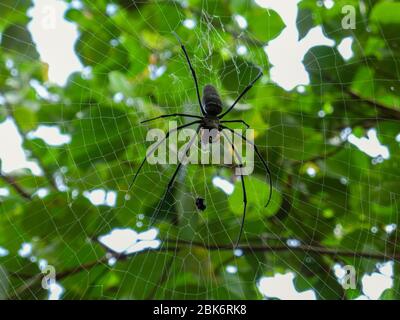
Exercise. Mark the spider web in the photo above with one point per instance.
(183, 241)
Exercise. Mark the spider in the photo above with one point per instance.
(200, 204)
(211, 118)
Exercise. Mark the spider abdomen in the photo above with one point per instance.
(211, 100)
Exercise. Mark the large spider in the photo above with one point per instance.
(211, 108)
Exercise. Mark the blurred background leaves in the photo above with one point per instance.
(332, 203)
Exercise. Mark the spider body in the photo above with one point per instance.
(200, 204)
(211, 101)
(211, 122)
(211, 118)
(212, 107)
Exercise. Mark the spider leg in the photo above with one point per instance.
(192, 70)
(261, 158)
(236, 121)
(172, 180)
(260, 73)
(243, 189)
(172, 115)
(155, 148)
(244, 209)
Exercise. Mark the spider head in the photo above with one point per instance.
(211, 100)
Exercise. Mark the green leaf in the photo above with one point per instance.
(257, 190)
(3, 283)
(386, 12)
(236, 74)
(17, 40)
(13, 12)
(286, 137)
(264, 24)
(101, 134)
(25, 118)
(304, 22)
(119, 83)
(58, 216)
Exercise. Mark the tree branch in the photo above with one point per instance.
(327, 154)
(260, 247)
(14, 184)
(283, 247)
(387, 113)
(182, 244)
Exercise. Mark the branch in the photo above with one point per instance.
(387, 113)
(14, 184)
(284, 247)
(31, 281)
(264, 247)
(327, 154)
(182, 244)
(83, 267)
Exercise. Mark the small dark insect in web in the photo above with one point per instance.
(201, 204)
(210, 118)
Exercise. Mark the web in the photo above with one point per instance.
(115, 248)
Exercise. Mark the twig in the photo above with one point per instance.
(284, 247)
(320, 156)
(14, 184)
(83, 267)
(384, 110)
(181, 244)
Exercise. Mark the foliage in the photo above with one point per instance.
(348, 192)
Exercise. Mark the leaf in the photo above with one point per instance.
(3, 283)
(58, 216)
(257, 190)
(102, 134)
(265, 25)
(328, 288)
(385, 22)
(286, 136)
(326, 65)
(139, 275)
(304, 22)
(162, 16)
(236, 74)
(101, 49)
(16, 39)
(25, 118)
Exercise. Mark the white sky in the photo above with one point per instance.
(55, 38)
(281, 286)
(286, 52)
(11, 153)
